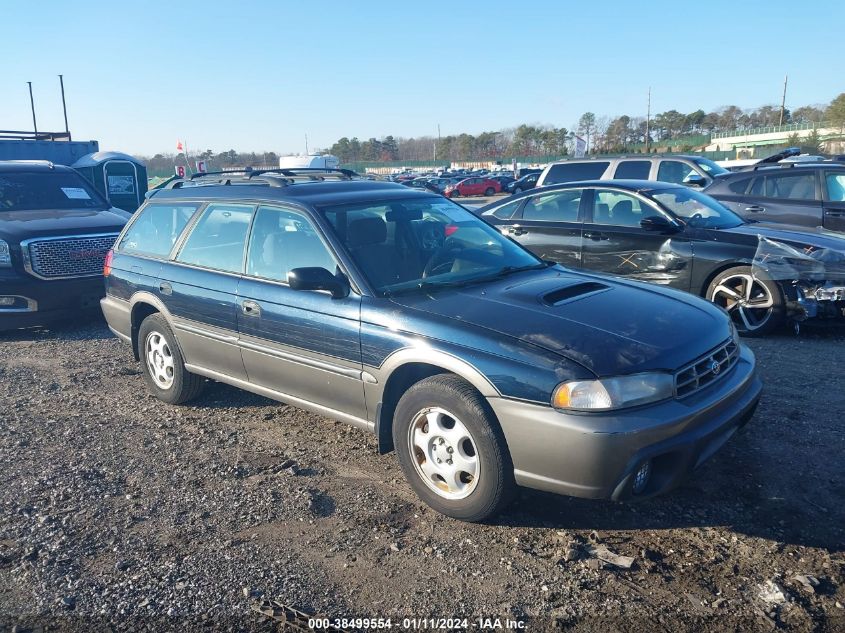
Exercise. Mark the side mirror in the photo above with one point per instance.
(312, 278)
(695, 180)
(659, 223)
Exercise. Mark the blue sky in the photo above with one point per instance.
(259, 75)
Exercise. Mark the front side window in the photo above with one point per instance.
(571, 172)
(25, 191)
(561, 206)
(156, 228)
(835, 187)
(696, 209)
(674, 171)
(633, 169)
(414, 245)
(218, 238)
(791, 186)
(282, 240)
(617, 209)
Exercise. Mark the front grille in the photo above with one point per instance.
(63, 257)
(707, 369)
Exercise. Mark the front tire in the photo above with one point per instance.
(489, 191)
(163, 365)
(754, 302)
(452, 450)
(517, 190)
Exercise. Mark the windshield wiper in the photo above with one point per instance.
(426, 286)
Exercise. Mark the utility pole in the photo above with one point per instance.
(306, 144)
(647, 118)
(783, 101)
(32, 103)
(64, 105)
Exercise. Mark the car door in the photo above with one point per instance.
(304, 344)
(614, 242)
(199, 288)
(786, 197)
(549, 225)
(834, 200)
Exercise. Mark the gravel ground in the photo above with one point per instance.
(119, 512)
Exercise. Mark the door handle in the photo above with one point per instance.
(251, 308)
(596, 237)
(755, 208)
(165, 288)
(517, 230)
(835, 213)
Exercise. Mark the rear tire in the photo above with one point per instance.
(754, 302)
(452, 450)
(163, 365)
(517, 190)
(489, 191)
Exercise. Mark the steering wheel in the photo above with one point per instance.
(442, 260)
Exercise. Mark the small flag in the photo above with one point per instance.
(180, 147)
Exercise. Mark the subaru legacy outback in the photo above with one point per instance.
(404, 314)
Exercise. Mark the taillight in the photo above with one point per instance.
(107, 263)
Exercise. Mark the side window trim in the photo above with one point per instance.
(189, 227)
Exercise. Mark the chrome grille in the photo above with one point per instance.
(71, 256)
(707, 369)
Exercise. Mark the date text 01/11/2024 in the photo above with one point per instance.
(416, 624)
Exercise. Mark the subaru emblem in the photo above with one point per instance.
(715, 367)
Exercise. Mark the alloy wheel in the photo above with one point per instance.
(747, 300)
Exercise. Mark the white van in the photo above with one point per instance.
(314, 161)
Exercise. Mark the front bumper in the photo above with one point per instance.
(596, 455)
(40, 302)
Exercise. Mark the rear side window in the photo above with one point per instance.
(555, 207)
(23, 191)
(570, 172)
(218, 238)
(791, 186)
(739, 186)
(506, 211)
(156, 229)
(633, 169)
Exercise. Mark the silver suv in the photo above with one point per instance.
(692, 171)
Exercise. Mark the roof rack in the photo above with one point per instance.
(276, 177)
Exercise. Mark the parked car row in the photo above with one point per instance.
(672, 235)
(458, 340)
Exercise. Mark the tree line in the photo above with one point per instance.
(602, 135)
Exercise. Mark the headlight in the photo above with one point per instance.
(613, 393)
(5, 255)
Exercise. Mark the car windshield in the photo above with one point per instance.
(419, 244)
(26, 191)
(710, 167)
(698, 210)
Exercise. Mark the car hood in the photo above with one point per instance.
(21, 225)
(801, 235)
(609, 326)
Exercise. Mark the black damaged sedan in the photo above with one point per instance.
(671, 235)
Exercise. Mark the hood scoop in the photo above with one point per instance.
(572, 292)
